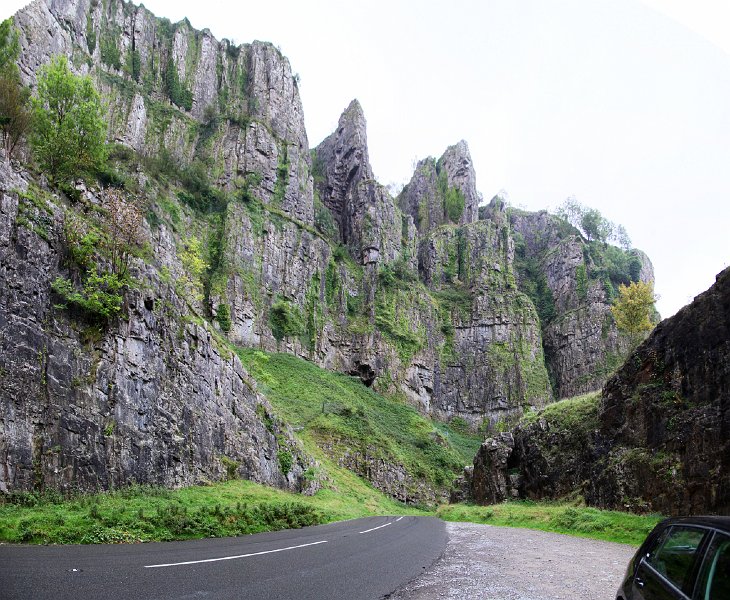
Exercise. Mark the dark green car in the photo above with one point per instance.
(685, 558)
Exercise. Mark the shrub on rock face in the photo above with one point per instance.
(223, 316)
(68, 123)
(634, 307)
(99, 252)
(286, 320)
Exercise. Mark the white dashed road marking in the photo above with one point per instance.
(207, 560)
(374, 528)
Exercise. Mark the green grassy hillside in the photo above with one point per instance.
(336, 415)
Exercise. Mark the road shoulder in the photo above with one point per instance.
(483, 561)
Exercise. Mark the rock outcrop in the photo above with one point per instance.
(657, 439)
(573, 283)
(491, 481)
(665, 415)
(362, 208)
(442, 191)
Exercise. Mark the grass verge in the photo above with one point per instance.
(146, 513)
(608, 525)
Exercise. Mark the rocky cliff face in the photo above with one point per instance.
(657, 439)
(153, 399)
(573, 283)
(176, 90)
(666, 413)
(303, 253)
(362, 209)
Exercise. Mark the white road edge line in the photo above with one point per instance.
(207, 560)
(398, 519)
(374, 528)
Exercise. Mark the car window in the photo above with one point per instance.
(715, 577)
(675, 553)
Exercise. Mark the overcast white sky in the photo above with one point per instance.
(624, 104)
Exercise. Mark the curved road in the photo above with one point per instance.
(361, 559)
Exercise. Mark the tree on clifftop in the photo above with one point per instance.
(68, 124)
(592, 224)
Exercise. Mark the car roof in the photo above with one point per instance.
(717, 522)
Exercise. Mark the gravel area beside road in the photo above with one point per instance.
(501, 563)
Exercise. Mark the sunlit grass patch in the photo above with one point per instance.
(609, 525)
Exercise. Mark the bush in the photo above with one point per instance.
(459, 424)
(199, 192)
(285, 320)
(323, 220)
(231, 467)
(176, 91)
(100, 255)
(451, 197)
(223, 316)
(581, 282)
(101, 295)
(285, 461)
(110, 51)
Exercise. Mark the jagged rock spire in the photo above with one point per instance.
(362, 208)
(342, 159)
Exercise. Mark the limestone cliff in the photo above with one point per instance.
(443, 293)
(297, 251)
(152, 399)
(172, 89)
(657, 438)
(442, 191)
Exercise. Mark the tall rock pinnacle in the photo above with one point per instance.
(361, 207)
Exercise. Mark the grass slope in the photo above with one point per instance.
(338, 412)
(578, 412)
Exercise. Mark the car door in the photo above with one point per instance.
(666, 571)
(714, 580)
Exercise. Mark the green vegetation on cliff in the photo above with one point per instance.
(68, 124)
(570, 415)
(336, 413)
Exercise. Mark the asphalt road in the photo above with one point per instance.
(350, 560)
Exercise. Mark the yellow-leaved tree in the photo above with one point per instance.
(634, 307)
